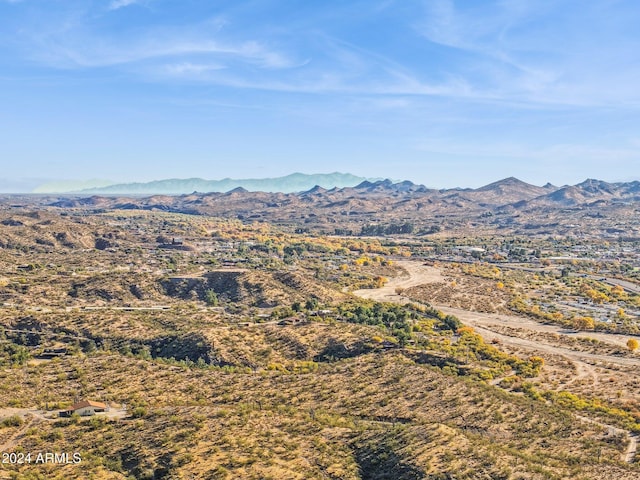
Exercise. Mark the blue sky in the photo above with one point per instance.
(441, 92)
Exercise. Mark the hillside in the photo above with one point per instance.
(244, 348)
(376, 416)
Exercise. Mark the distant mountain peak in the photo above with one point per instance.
(593, 186)
(406, 183)
(593, 182)
(238, 190)
(510, 182)
(365, 184)
(316, 189)
(386, 183)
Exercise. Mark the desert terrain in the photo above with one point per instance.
(327, 336)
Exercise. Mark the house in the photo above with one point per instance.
(53, 352)
(85, 408)
(290, 321)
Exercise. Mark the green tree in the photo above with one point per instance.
(451, 323)
(13, 354)
(211, 298)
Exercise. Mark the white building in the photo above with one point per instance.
(85, 408)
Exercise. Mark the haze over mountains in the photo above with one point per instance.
(295, 182)
(500, 193)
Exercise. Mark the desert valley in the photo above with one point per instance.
(386, 330)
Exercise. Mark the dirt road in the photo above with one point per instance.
(486, 323)
(417, 274)
(630, 452)
(14, 439)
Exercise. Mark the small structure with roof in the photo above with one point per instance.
(85, 408)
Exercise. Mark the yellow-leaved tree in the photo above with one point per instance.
(583, 323)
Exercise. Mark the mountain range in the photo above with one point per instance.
(509, 205)
(295, 182)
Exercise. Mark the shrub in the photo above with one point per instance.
(139, 412)
(211, 298)
(12, 421)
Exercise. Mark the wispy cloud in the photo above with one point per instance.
(188, 68)
(183, 49)
(117, 4)
(100, 54)
(532, 52)
(203, 53)
(497, 52)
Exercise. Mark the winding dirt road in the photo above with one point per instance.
(419, 274)
(486, 323)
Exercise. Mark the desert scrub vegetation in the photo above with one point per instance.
(557, 294)
(13, 355)
(375, 412)
(12, 421)
(394, 319)
(286, 376)
(420, 327)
